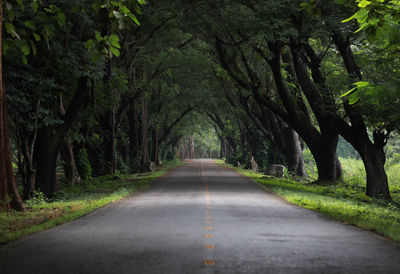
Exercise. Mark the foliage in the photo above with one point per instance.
(379, 23)
(38, 199)
(28, 23)
(84, 167)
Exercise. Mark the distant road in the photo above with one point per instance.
(202, 218)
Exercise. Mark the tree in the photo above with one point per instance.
(9, 197)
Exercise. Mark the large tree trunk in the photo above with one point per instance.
(322, 145)
(374, 157)
(68, 158)
(293, 152)
(326, 161)
(45, 159)
(49, 140)
(356, 134)
(9, 197)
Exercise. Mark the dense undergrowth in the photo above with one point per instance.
(74, 201)
(342, 200)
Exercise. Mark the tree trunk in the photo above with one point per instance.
(28, 180)
(372, 154)
(322, 145)
(191, 146)
(182, 150)
(49, 140)
(326, 161)
(68, 158)
(9, 196)
(155, 146)
(144, 138)
(109, 142)
(373, 157)
(293, 152)
(134, 138)
(45, 160)
(222, 149)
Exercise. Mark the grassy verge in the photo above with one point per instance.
(72, 202)
(343, 201)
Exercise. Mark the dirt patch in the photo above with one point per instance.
(29, 221)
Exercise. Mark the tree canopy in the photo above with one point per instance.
(100, 87)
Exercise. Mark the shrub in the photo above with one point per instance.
(85, 169)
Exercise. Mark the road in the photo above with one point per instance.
(202, 218)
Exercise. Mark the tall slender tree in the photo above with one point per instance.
(9, 197)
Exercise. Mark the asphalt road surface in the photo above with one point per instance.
(202, 218)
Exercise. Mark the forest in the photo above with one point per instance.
(108, 87)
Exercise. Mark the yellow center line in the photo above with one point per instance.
(208, 213)
(209, 262)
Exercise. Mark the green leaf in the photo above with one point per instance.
(115, 51)
(361, 15)
(124, 9)
(137, 9)
(24, 59)
(33, 47)
(30, 24)
(98, 36)
(347, 93)
(348, 19)
(134, 19)
(36, 36)
(11, 30)
(35, 6)
(26, 50)
(364, 3)
(362, 84)
(61, 18)
(90, 44)
(114, 41)
(354, 98)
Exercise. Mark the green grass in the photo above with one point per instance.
(344, 201)
(72, 202)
